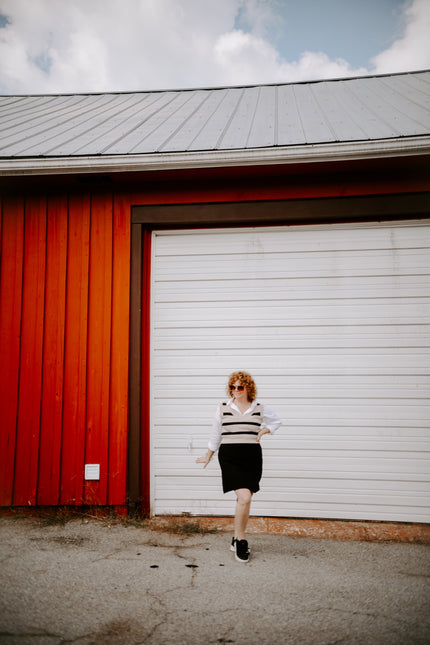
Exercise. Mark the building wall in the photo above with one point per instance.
(64, 344)
(64, 314)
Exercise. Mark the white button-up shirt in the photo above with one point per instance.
(270, 421)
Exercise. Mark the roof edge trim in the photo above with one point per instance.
(316, 153)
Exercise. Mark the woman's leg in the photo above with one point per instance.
(243, 505)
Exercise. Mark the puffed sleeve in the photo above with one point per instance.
(215, 436)
(270, 419)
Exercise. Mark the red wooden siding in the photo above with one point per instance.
(30, 363)
(119, 350)
(99, 346)
(64, 317)
(75, 367)
(53, 352)
(10, 331)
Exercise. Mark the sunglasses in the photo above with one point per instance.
(240, 388)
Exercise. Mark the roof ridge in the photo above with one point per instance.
(223, 87)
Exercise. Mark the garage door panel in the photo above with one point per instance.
(295, 288)
(312, 437)
(289, 339)
(314, 315)
(253, 266)
(285, 489)
(302, 498)
(289, 379)
(368, 236)
(359, 462)
(334, 323)
(168, 337)
(292, 488)
(347, 442)
(308, 392)
(327, 412)
(223, 507)
(298, 372)
(377, 362)
(305, 434)
(347, 496)
(347, 512)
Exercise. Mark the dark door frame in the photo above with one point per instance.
(147, 218)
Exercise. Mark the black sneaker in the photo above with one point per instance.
(242, 553)
(233, 545)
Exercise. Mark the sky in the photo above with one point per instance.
(78, 46)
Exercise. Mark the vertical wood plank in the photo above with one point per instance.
(30, 375)
(120, 352)
(53, 353)
(11, 267)
(99, 346)
(75, 358)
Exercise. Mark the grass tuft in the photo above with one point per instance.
(178, 526)
(62, 515)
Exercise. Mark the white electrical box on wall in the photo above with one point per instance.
(92, 471)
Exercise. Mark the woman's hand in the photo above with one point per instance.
(205, 459)
(261, 433)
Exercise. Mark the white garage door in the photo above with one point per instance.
(333, 322)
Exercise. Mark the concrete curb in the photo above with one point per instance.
(322, 529)
(367, 531)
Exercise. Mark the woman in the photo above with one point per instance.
(238, 427)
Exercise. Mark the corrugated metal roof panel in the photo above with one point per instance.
(335, 104)
(316, 127)
(93, 139)
(164, 127)
(217, 122)
(236, 135)
(183, 138)
(243, 118)
(263, 129)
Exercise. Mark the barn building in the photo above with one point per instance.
(154, 242)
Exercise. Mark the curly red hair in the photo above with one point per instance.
(246, 380)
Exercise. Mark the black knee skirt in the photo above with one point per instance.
(241, 466)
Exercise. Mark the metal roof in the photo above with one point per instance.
(267, 124)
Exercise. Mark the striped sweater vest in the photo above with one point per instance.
(240, 428)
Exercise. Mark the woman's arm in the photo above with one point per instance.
(214, 439)
(205, 459)
(270, 423)
(215, 436)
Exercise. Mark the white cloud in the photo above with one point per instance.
(254, 60)
(412, 50)
(311, 63)
(250, 58)
(102, 45)
(114, 45)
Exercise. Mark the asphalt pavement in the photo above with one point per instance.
(94, 581)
